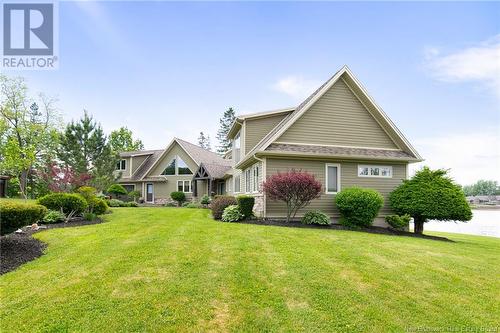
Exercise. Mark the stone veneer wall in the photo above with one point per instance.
(258, 207)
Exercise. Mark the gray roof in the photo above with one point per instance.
(148, 162)
(137, 152)
(217, 170)
(214, 163)
(339, 151)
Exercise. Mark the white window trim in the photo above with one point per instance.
(248, 180)
(125, 168)
(125, 184)
(376, 166)
(146, 192)
(255, 180)
(184, 187)
(338, 177)
(234, 183)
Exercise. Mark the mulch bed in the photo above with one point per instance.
(372, 229)
(19, 248)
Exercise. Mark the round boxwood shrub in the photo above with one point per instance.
(220, 203)
(232, 214)
(205, 200)
(69, 203)
(316, 217)
(178, 196)
(246, 203)
(15, 215)
(117, 190)
(53, 216)
(98, 206)
(358, 206)
(398, 222)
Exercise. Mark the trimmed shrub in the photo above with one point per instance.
(178, 196)
(69, 203)
(232, 214)
(316, 217)
(53, 216)
(14, 215)
(132, 204)
(87, 192)
(246, 203)
(358, 206)
(89, 216)
(134, 195)
(205, 200)
(220, 203)
(170, 204)
(98, 206)
(117, 190)
(398, 222)
(115, 203)
(430, 195)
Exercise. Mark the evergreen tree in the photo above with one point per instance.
(225, 125)
(122, 140)
(85, 149)
(204, 141)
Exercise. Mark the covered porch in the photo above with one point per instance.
(209, 180)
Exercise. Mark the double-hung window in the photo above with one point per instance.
(237, 184)
(247, 180)
(255, 182)
(184, 186)
(332, 178)
(121, 165)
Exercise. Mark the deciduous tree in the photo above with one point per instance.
(28, 129)
(295, 188)
(122, 140)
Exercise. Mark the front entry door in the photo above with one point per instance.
(149, 192)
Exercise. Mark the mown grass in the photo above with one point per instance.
(175, 269)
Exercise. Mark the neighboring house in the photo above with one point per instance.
(484, 199)
(338, 134)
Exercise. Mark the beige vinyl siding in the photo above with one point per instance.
(162, 190)
(256, 129)
(348, 177)
(338, 118)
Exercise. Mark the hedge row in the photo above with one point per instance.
(14, 215)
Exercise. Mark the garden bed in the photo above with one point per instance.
(372, 229)
(19, 248)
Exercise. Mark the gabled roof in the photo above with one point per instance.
(139, 174)
(343, 74)
(263, 114)
(215, 171)
(196, 153)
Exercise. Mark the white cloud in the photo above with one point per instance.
(469, 156)
(479, 63)
(296, 86)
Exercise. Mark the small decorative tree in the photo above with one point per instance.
(117, 190)
(178, 196)
(134, 195)
(295, 188)
(430, 194)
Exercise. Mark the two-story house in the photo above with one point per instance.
(338, 134)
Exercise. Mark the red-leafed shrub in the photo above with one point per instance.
(295, 188)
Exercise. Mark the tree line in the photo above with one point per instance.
(42, 154)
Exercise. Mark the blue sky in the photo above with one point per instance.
(167, 69)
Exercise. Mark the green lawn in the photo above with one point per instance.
(171, 269)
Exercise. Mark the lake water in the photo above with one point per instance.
(483, 223)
